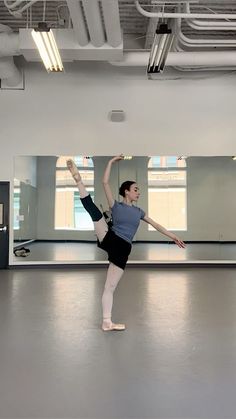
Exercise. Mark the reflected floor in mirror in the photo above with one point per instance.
(89, 252)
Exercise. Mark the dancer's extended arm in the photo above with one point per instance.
(106, 178)
(163, 230)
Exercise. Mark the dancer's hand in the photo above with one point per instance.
(117, 158)
(178, 241)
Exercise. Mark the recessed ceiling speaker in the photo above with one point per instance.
(116, 115)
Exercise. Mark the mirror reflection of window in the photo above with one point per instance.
(167, 191)
(69, 212)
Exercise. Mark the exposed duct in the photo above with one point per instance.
(216, 59)
(9, 72)
(89, 25)
(79, 26)
(9, 46)
(96, 33)
(70, 50)
(94, 22)
(112, 22)
(5, 28)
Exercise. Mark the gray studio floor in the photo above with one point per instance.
(176, 359)
(78, 252)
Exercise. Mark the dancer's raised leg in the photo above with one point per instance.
(100, 225)
(77, 178)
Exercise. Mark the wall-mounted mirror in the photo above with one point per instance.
(192, 196)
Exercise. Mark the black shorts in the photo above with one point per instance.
(118, 249)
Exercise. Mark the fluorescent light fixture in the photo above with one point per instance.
(161, 46)
(46, 44)
(128, 157)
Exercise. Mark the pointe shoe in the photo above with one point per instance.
(113, 326)
(73, 170)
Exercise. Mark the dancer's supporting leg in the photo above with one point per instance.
(114, 273)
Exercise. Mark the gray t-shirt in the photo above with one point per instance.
(126, 219)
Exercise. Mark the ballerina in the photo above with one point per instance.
(116, 240)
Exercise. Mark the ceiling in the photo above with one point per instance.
(200, 43)
(137, 31)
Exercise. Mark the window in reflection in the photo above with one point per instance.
(167, 192)
(166, 161)
(69, 212)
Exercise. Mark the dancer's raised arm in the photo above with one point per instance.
(106, 178)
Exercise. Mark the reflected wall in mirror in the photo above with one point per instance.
(25, 199)
(190, 196)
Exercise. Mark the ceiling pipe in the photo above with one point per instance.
(197, 27)
(201, 43)
(12, 5)
(77, 18)
(112, 22)
(206, 42)
(220, 59)
(209, 25)
(177, 48)
(184, 15)
(203, 68)
(185, 69)
(94, 22)
(18, 12)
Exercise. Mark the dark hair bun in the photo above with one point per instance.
(125, 186)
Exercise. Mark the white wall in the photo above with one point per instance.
(67, 114)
